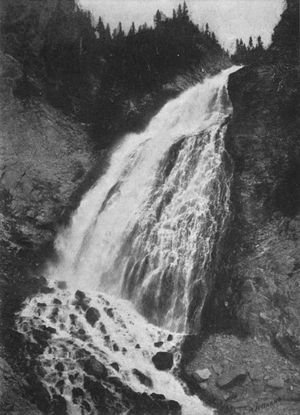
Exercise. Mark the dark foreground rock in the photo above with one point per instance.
(163, 360)
(92, 316)
(95, 368)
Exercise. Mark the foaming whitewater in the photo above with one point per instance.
(141, 242)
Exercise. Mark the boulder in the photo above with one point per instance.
(40, 394)
(158, 396)
(96, 390)
(59, 367)
(62, 285)
(163, 360)
(109, 312)
(158, 344)
(47, 290)
(115, 347)
(41, 336)
(93, 367)
(86, 406)
(58, 405)
(145, 380)
(82, 300)
(77, 395)
(115, 366)
(92, 316)
(170, 337)
(174, 407)
(276, 383)
(232, 378)
(202, 375)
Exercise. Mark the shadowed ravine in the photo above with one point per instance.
(139, 244)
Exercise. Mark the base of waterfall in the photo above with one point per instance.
(92, 353)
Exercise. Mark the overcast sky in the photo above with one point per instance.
(228, 18)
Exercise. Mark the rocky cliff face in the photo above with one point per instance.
(252, 321)
(44, 158)
(264, 144)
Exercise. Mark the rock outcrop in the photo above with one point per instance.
(44, 159)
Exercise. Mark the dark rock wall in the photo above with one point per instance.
(44, 158)
(258, 289)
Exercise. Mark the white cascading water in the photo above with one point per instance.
(140, 243)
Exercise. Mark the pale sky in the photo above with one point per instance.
(229, 19)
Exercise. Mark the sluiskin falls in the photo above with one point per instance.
(131, 270)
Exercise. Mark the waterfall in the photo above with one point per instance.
(141, 241)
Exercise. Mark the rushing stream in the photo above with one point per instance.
(138, 249)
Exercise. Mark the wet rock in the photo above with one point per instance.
(163, 360)
(86, 406)
(49, 329)
(81, 334)
(73, 318)
(62, 285)
(77, 395)
(158, 396)
(115, 381)
(115, 347)
(170, 337)
(145, 380)
(82, 354)
(47, 290)
(57, 301)
(92, 316)
(93, 367)
(96, 390)
(54, 315)
(201, 375)
(115, 366)
(137, 346)
(40, 393)
(59, 367)
(124, 350)
(145, 404)
(72, 377)
(41, 336)
(232, 378)
(58, 405)
(60, 386)
(174, 407)
(34, 349)
(158, 344)
(276, 383)
(109, 312)
(42, 305)
(82, 300)
(102, 328)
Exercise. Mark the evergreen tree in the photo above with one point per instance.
(100, 29)
(260, 44)
(207, 33)
(132, 30)
(108, 33)
(185, 12)
(157, 18)
(250, 45)
(179, 12)
(174, 14)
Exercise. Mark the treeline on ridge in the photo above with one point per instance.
(89, 70)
